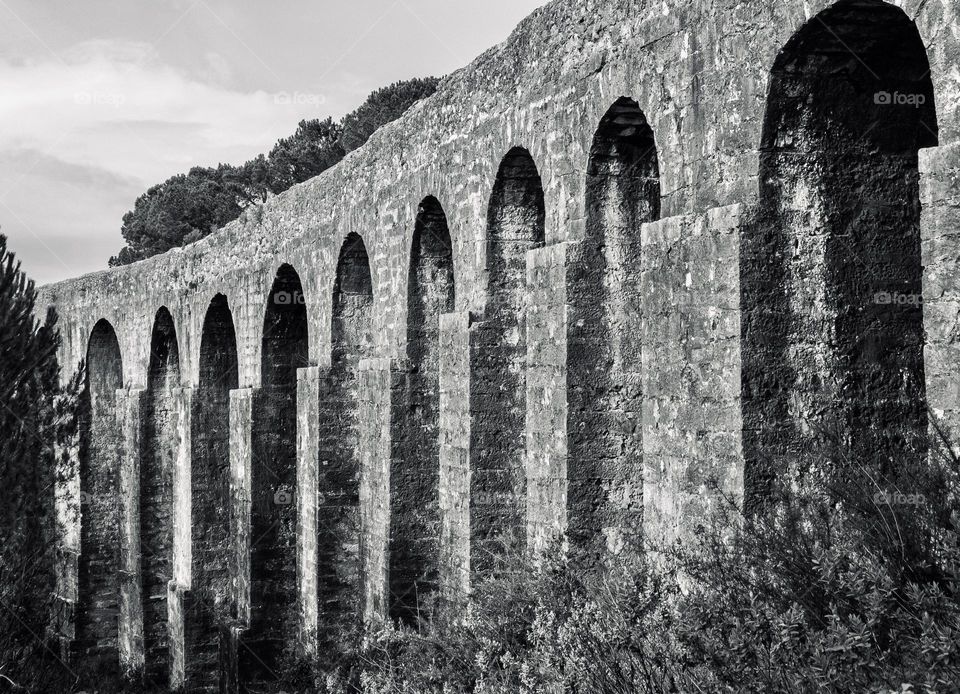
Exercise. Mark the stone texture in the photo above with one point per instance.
(597, 369)
(940, 242)
(307, 500)
(691, 370)
(454, 492)
(374, 415)
(130, 631)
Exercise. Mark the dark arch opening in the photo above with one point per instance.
(338, 513)
(98, 606)
(605, 445)
(515, 225)
(831, 270)
(159, 452)
(273, 574)
(414, 478)
(208, 608)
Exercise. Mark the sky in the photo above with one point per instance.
(101, 99)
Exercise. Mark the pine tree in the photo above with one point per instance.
(188, 207)
(38, 428)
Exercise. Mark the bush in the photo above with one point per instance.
(840, 586)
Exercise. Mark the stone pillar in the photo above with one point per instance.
(692, 419)
(940, 249)
(546, 424)
(308, 444)
(182, 535)
(241, 458)
(130, 644)
(373, 421)
(67, 505)
(454, 459)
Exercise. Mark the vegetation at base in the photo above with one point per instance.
(844, 584)
(188, 207)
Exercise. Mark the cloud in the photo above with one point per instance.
(62, 219)
(108, 120)
(107, 100)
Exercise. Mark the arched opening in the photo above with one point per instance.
(100, 440)
(414, 478)
(208, 607)
(159, 452)
(515, 225)
(831, 270)
(605, 343)
(273, 574)
(338, 507)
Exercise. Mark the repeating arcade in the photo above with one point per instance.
(288, 470)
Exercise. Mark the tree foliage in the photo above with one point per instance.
(183, 209)
(39, 430)
(382, 106)
(188, 207)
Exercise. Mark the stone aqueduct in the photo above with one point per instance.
(638, 247)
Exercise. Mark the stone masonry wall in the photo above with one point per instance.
(691, 370)
(618, 180)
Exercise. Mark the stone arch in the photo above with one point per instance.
(273, 580)
(831, 269)
(605, 334)
(208, 607)
(414, 477)
(515, 225)
(338, 512)
(159, 453)
(98, 605)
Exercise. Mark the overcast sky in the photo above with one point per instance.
(102, 98)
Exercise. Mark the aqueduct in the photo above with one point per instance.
(637, 248)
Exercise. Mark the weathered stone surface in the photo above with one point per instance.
(373, 424)
(691, 370)
(307, 500)
(454, 492)
(940, 244)
(642, 290)
(130, 632)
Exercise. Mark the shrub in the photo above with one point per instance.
(845, 584)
